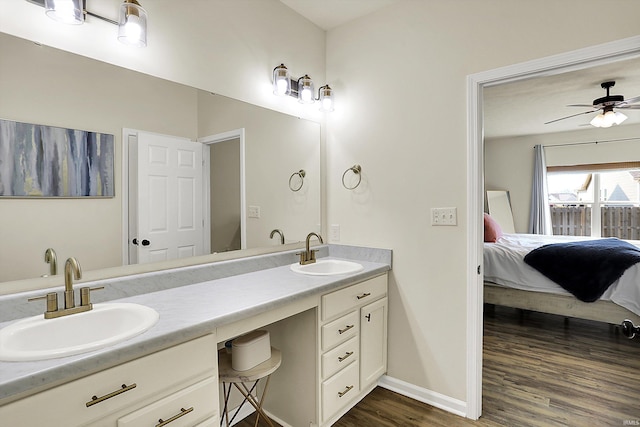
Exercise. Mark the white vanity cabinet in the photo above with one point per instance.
(353, 345)
(178, 385)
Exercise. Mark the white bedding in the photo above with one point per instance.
(504, 265)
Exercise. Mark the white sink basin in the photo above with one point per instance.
(37, 338)
(327, 267)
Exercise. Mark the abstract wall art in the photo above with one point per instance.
(48, 161)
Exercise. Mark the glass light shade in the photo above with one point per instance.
(598, 121)
(132, 24)
(306, 91)
(326, 99)
(65, 11)
(281, 81)
(608, 119)
(619, 118)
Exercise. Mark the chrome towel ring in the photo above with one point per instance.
(356, 169)
(292, 184)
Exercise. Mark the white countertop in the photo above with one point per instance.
(186, 312)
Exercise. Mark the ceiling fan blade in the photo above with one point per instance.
(631, 100)
(582, 105)
(629, 107)
(568, 117)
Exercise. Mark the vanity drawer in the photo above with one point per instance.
(188, 406)
(65, 405)
(346, 299)
(339, 357)
(340, 330)
(339, 390)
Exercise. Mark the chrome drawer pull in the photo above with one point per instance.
(96, 399)
(342, 331)
(366, 294)
(341, 358)
(182, 413)
(346, 390)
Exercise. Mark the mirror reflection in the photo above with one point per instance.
(245, 194)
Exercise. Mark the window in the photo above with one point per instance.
(595, 200)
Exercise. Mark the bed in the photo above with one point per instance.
(510, 282)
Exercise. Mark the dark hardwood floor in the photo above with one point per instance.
(538, 370)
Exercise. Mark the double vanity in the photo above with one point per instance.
(327, 318)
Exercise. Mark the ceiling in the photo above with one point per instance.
(328, 14)
(522, 108)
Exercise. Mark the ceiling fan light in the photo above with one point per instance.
(619, 118)
(609, 119)
(598, 121)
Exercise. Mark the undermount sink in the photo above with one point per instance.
(37, 338)
(327, 267)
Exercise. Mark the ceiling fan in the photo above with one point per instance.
(607, 116)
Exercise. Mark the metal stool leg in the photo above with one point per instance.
(252, 400)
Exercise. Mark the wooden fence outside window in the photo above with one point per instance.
(622, 222)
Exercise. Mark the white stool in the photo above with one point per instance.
(228, 377)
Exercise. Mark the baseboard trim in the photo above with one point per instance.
(424, 395)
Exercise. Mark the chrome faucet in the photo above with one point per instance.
(51, 259)
(273, 233)
(309, 256)
(71, 270)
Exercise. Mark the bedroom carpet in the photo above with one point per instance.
(539, 370)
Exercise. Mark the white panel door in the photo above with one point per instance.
(169, 198)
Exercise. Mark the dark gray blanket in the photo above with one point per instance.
(585, 268)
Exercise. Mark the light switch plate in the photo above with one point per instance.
(254, 212)
(444, 216)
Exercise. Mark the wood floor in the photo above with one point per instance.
(539, 370)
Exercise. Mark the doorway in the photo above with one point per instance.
(570, 61)
(224, 191)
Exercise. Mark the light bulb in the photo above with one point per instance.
(132, 23)
(282, 86)
(306, 95)
(327, 104)
(65, 11)
(132, 30)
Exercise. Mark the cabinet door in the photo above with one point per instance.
(373, 342)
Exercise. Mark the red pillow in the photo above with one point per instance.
(492, 230)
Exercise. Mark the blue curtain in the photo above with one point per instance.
(540, 216)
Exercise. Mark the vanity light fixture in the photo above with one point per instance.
(306, 90)
(132, 24)
(608, 118)
(301, 88)
(65, 11)
(325, 96)
(132, 18)
(281, 81)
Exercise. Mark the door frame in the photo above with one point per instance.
(206, 188)
(570, 61)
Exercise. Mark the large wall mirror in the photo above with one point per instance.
(42, 85)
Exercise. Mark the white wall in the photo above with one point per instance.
(401, 76)
(509, 161)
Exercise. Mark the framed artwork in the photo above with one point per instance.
(48, 161)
